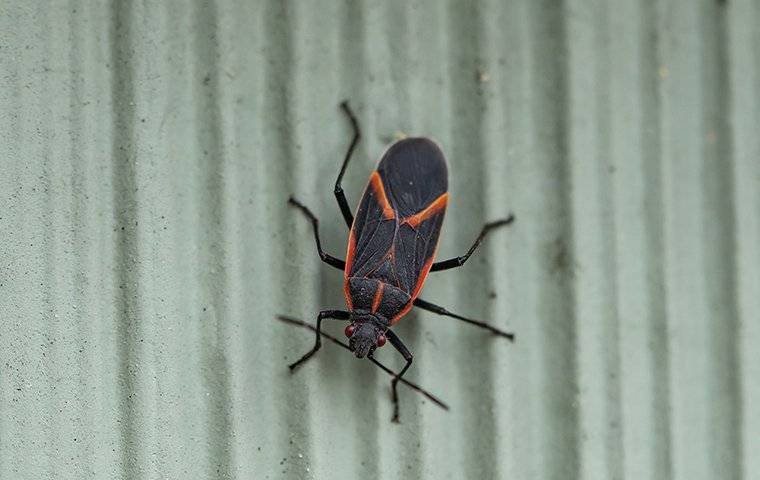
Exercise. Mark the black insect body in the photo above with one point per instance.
(391, 246)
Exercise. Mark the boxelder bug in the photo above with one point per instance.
(391, 246)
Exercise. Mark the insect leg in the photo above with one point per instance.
(336, 314)
(328, 259)
(413, 386)
(396, 342)
(459, 261)
(339, 195)
(431, 307)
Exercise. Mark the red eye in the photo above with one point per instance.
(381, 340)
(349, 331)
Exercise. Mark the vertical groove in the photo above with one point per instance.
(294, 436)
(11, 381)
(683, 165)
(216, 375)
(590, 128)
(50, 248)
(467, 153)
(80, 224)
(126, 250)
(557, 308)
(613, 436)
(654, 220)
(720, 264)
(742, 29)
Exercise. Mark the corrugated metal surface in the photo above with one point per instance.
(148, 149)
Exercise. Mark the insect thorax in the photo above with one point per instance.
(373, 297)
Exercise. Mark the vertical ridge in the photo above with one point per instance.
(653, 207)
(556, 306)
(294, 438)
(683, 170)
(594, 207)
(79, 183)
(505, 78)
(214, 228)
(15, 282)
(652, 154)
(720, 263)
(468, 173)
(103, 350)
(50, 401)
(743, 37)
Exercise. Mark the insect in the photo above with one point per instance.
(391, 247)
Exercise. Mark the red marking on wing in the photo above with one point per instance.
(402, 312)
(417, 288)
(378, 296)
(377, 185)
(349, 261)
(435, 207)
(423, 276)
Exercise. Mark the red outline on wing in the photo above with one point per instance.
(417, 288)
(437, 205)
(377, 185)
(378, 296)
(349, 262)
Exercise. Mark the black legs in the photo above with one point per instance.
(345, 210)
(398, 345)
(431, 307)
(328, 259)
(339, 195)
(459, 261)
(341, 264)
(336, 314)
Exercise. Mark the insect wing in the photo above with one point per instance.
(397, 224)
(373, 231)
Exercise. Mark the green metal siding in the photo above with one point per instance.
(147, 150)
